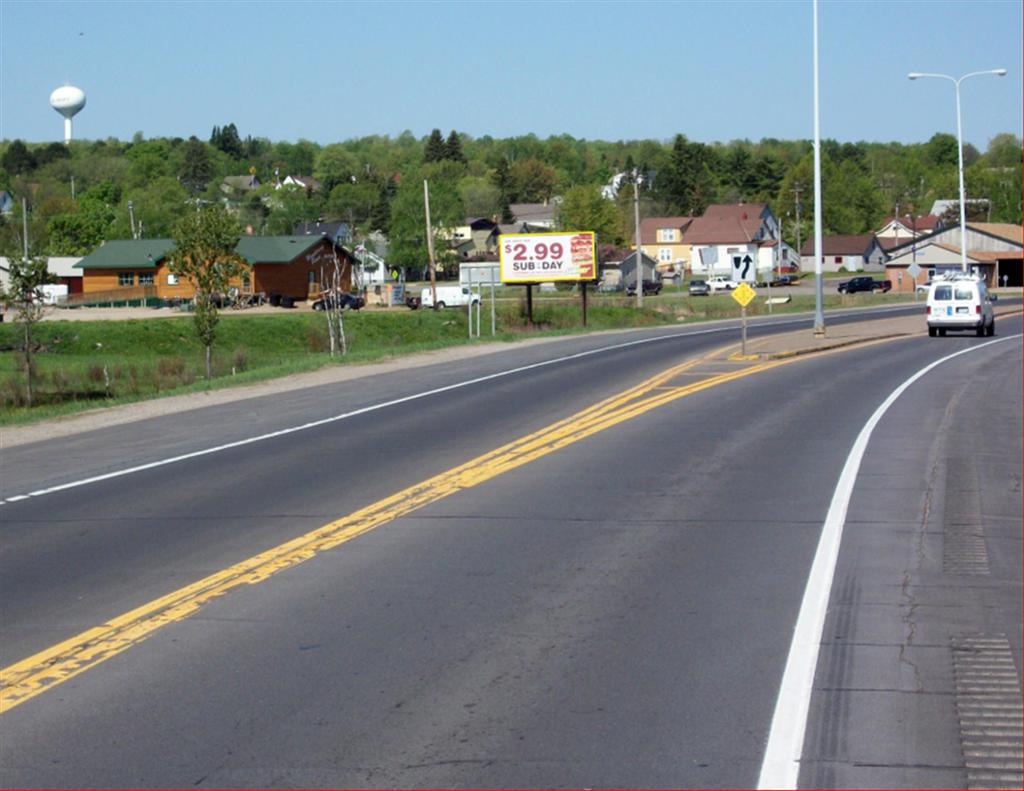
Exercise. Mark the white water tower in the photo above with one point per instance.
(67, 101)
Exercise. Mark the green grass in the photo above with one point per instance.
(82, 365)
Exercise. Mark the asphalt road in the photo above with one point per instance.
(616, 610)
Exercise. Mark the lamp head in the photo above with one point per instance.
(999, 72)
(913, 75)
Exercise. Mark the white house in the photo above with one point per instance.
(771, 259)
(61, 267)
(727, 240)
(846, 253)
(907, 227)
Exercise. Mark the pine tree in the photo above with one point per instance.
(196, 168)
(228, 141)
(453, 148)
(435, 149)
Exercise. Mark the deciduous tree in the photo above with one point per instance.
(24, 296)
(204, 254)
(584, 209)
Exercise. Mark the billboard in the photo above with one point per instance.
(546, 257)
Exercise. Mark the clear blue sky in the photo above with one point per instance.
(331, 71)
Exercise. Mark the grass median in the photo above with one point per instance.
(82, 365)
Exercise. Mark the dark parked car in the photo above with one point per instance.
(651, 287)
(699, 288)
(338, 301)
(855, 284)
(781, 280)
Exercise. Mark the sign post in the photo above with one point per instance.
(913, 270)
(528, 258)
(743, 295)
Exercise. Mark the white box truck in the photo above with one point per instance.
(448, 297)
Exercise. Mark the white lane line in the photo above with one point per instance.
(356, 413)
(781, 765)
(395, 402)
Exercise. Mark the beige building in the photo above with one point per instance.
(663, 239)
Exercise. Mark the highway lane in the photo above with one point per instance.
(614, 613)
(43, 464)
(271, 491)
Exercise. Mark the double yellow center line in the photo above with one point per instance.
(36, 674)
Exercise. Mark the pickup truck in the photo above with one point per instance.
(721, 283)
(651, 288)
(855, 284)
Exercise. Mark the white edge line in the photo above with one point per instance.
(384, 405)
(780, 768)
(347, 415)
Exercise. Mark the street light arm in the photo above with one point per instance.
(915, 75)
(996, 72)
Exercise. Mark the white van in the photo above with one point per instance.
(448, 297)
(960, 302)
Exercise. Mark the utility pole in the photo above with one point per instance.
(639, 251)
(430, 245)
(796, 201)
(24, 227)
(131, 218)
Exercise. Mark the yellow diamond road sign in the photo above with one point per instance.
(743, 294)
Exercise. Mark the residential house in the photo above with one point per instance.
(994, 250)
(477, 236)
(538, 216)
(662, 238)
(289, 265)
(627, 269)
(61, 267)
(239, 184)
(307, 183)
(907, 226)
(781, 255)
(727, 239)
(846, 253)
(337, 231)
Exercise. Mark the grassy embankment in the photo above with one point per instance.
(86, 364)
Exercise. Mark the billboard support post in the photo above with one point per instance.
(583, 285)
(526, 259)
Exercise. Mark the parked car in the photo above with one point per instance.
(606, 287)
(651, 288)
(869, 284)
(338, 300)
(699, 288)
(722, 283)
(960, 302)
(781, 280)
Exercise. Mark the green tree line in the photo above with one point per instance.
(80, 194)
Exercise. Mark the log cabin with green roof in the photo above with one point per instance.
(288, 265)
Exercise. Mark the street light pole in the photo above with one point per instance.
(959, 147)
(819, 315)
